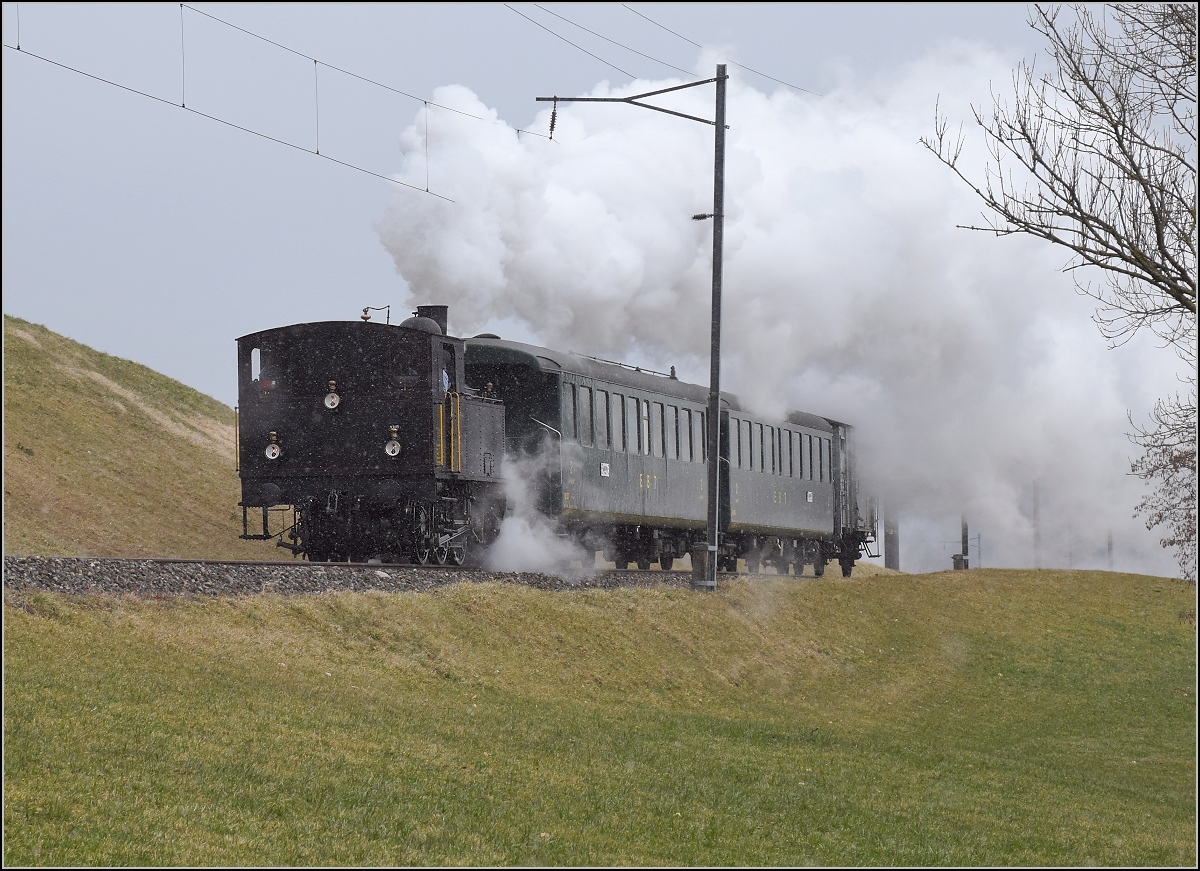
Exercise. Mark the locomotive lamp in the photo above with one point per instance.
(332, 400)
(273, 451)
(392, 448)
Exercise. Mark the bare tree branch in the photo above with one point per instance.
(1098, 156)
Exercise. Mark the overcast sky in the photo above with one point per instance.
(160, 235)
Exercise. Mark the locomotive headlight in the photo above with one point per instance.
(392, 448)
(332, 400)
(273, 451)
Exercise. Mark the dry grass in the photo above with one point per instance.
(104, 457)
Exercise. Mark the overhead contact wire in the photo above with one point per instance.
(568, 42)
(223, 121)
(732, 63)
(614, 42)
(348, 72)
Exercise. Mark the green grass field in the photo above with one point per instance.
(981, 718)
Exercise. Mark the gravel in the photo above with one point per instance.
(83, 575)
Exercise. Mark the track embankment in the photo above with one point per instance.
(145, 577)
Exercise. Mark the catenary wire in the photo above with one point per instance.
(733, 63)
(28, 53)
(349, 73)
(568, 42)
(614, 42)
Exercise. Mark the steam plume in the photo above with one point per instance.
(967, 364)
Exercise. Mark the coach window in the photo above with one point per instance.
(699, 436)
(568, 413)
(646, 426)
(735, 442)
(786, 451)
(770, 443)
(821, 451)
(632, 416)
(687, 449)
(672, 432)
(602, 437)
(656, 429)
(585, 415)
(617, 423)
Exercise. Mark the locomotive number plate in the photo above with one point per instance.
(604, 470)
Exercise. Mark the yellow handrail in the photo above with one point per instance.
(441, 440)
(458, 430)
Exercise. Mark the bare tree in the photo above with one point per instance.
(1099, 156)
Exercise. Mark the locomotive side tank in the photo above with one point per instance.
(370, 434)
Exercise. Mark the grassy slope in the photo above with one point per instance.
(1007, 717)
(104, 457)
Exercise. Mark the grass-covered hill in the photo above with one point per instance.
(984, 718)
(105, 457)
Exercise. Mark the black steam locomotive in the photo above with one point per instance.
(386, 442)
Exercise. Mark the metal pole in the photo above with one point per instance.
(966, 555)
(714, 377)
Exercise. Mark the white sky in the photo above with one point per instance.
(158, 235)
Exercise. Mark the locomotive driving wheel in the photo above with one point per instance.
(419, 530)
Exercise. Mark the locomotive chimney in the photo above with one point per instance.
(437, 313)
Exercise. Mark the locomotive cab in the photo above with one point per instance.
(367, 432)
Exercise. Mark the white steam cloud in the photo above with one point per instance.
(528, 541)
(967, 364)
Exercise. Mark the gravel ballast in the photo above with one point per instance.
(98, 575)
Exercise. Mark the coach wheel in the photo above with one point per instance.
(847, 569)
(819, 567)
(643, 564)
(665, 562)
(752, 564)
(621, 564)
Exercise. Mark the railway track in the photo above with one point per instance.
(374, 565)
(164, 577)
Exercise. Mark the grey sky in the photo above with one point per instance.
(158, 235)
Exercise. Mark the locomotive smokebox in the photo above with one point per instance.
(439, 313)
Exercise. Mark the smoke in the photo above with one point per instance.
(966, 362)
(528, 540)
